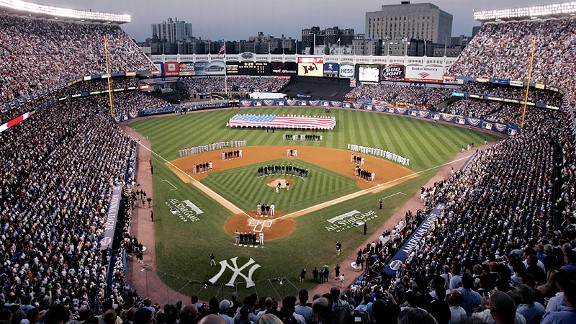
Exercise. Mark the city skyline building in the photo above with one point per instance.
(172, 30)
(406, 21)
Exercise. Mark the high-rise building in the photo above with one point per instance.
(315, 36)
(172, 31)
(406, 21)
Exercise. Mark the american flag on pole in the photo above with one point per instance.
(286, 122)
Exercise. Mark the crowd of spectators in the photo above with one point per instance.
(510, 220)
(409, 95)
(42, 55)
(503, 51)
(494, 111)
(101, 85)
(58, 169)
(204, 85)
(504, 91)
(127, 104)
(505, 246)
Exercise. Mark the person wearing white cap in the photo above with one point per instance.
(224, 306)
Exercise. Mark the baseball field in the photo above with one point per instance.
(196, 214)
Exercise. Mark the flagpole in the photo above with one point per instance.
(314, 45)
(225, 74)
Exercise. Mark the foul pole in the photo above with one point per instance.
(530, 65)
(110, 92)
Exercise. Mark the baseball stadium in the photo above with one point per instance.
(314, 188)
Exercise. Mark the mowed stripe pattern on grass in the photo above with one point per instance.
(426, 144)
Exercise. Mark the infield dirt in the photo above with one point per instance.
(387, 174)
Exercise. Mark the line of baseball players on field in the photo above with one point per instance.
(242, 238)
(210, 147)
(282, 169)
(202, 167)
(358, 172)
(379, 152)
(263, 210)
(231, 154)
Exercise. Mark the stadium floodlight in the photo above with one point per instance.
(557, 9)
(63, 12)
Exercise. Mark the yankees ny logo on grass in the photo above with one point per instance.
(237, 272)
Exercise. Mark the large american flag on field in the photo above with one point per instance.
(291, 122)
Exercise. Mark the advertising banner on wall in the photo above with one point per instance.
(500, 81)
(414, 241)
(171, 69)
(368, 73)
(346, 71)
(210, 68)
(187, 68)
(284, 68)
(393, 72)
(112, 218)
(311, 66)
(331, 70)
(417, 73)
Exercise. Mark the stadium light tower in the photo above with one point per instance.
(50, 11)
(526, 12)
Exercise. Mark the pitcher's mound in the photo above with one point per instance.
(272, 228)
(282, 181)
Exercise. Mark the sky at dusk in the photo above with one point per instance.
(239, 19)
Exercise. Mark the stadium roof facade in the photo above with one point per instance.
(557, 10)
(29, 9)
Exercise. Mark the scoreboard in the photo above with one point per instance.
(248, 68)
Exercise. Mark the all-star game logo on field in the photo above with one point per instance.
(349, 220)
(185, 210)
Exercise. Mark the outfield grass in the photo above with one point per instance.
(183, 247)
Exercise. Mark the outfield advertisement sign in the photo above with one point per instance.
(311, 66)
(393, 72)
(185, 210)
(284, 68)
(417, 73)
(331, 70)
(346, 71)
(112, 218)
(349, 220)
(210, 68)
(414, 241)
(187, 69)
(368, 73)
(171, 69)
